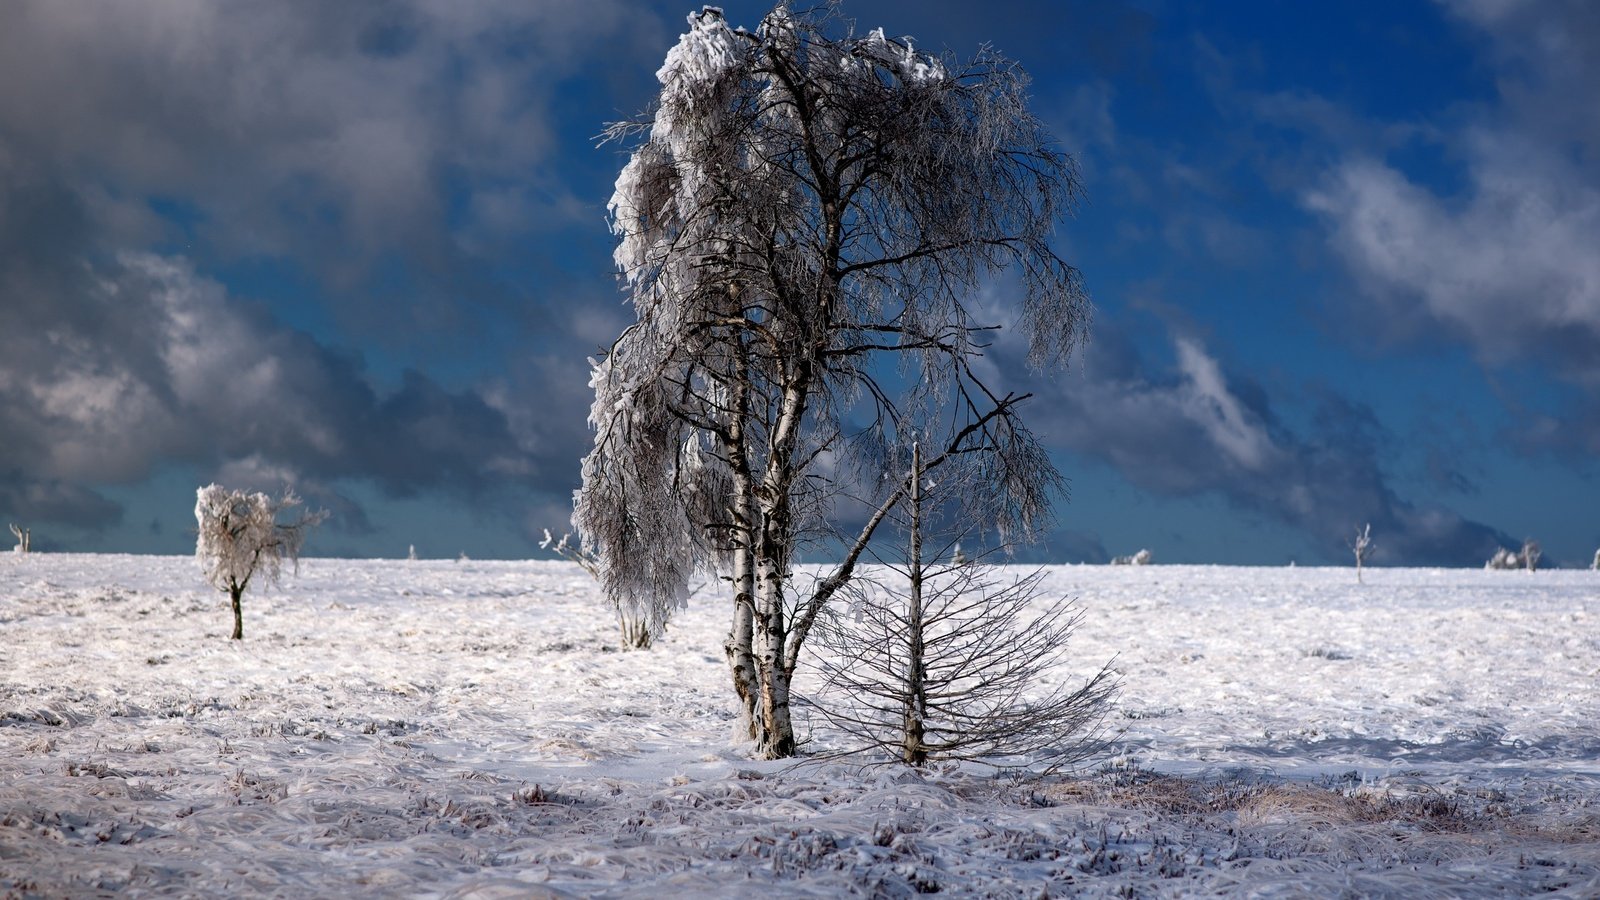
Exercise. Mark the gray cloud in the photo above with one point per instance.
(392, 154)
(152, 363)
(358, 139)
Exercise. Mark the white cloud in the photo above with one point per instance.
(1511, 268)
(1506, 262)
(1205, 399)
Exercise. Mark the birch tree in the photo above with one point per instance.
(1362, 546)
(801, 203)
(240, 539)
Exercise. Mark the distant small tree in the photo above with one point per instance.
(240, 537)
(1595, 566)
(1531, 551)
(1362, 547)
(1142, 558)
(24, 539)
(950, 661)
(638, 631)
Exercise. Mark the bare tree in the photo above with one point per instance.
(1595, 566)
(24, 539)
(1531, 551)
(638, 631)
(240, 537)
(802, 202)
(1362, 547)
(952, 661)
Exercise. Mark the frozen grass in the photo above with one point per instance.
(473, 730)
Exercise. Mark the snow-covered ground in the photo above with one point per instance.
(469, 729)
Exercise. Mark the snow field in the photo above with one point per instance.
(470, 729)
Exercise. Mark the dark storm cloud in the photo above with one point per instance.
(27, 500)
(391, 150)
(362, 108)
(1193, 428)
(151, 362)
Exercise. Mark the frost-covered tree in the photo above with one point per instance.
(803, 201)
(1531, 551)
(1595, 566)
(1362, 546)
(24, 539)
(956, 661)
(1142, 558)
(240, 538)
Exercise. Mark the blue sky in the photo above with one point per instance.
(1345, 260)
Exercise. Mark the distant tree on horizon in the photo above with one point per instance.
(240, 538)
(1362, 547)
(1531, 552)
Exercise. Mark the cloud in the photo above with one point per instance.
(1505, 261)
(27, 500)
(389, 156)
(1511, 270)
(356, 139)
(152, 363)
(1194, 429)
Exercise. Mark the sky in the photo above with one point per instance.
(1345, 260)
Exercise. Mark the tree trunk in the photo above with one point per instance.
(915, 752)
(235, 591)
(776, 738)
(741, 639)
(740, 645)
(775, 539)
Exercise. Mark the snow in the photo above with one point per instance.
(470, 729)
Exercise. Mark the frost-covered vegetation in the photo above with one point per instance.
(471, 728)
(239, 539)
(801, 202)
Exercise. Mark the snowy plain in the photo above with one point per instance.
(470, 729)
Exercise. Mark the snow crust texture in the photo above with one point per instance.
(471, 729)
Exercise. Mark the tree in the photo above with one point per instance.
(240, 537)
(1362, 547)
(953, 662)
(1531, 551)
(802, 203)
(638, 632)
(24, 539)
(1595, 566)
